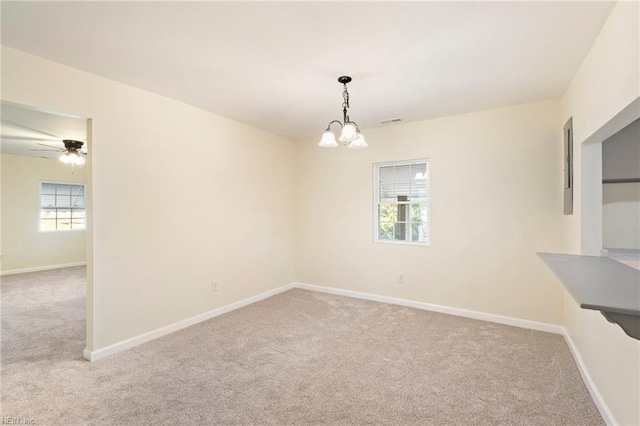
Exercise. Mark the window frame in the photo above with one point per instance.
(40, 208)
(376, 201)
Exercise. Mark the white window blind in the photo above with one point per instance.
(401, 202)
(62, 206)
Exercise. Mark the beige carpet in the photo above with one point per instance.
(296, 358)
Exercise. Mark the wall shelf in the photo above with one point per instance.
(602, 284)
(621, 180)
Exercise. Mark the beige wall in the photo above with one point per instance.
(23, 245)
(495, 198)
(181, 197)
(606, 83)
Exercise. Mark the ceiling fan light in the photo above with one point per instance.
(328, 140)
(349, 133)
(358, 142)
(72, 157)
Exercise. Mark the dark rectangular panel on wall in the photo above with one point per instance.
(568, 167)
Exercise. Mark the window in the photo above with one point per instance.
(401, 202)
(61, 206)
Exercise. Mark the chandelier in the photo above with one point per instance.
(350, 135)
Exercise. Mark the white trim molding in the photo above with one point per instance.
(605, 412)
(162, 331)
(516, 322)
(41, 268)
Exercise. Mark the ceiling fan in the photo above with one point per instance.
(72, 153)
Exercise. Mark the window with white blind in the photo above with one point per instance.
(401, 198)
(62, 206)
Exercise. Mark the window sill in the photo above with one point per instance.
(56, 231)
(403, 243)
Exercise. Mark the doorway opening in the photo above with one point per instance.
(46, 234)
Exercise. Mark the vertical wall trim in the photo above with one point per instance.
(89, 232)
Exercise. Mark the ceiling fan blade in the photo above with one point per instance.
(27, 138)
(51, 146)
(47, 150)
(11, 123)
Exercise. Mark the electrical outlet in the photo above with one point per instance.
(401, 278)
(214, 286)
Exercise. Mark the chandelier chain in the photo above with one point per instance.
(345, 96)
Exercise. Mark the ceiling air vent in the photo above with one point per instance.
(392, 121)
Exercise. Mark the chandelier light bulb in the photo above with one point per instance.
(328, 140)
(349, 133)
(358, 142)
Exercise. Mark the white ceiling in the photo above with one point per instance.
(275, 65)
(22, 131)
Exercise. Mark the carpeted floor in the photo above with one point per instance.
(296, 358)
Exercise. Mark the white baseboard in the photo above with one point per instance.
(606, 414)
(41, 268)
(162, 331)
(516, 322)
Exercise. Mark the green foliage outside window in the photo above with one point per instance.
(392, 227)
